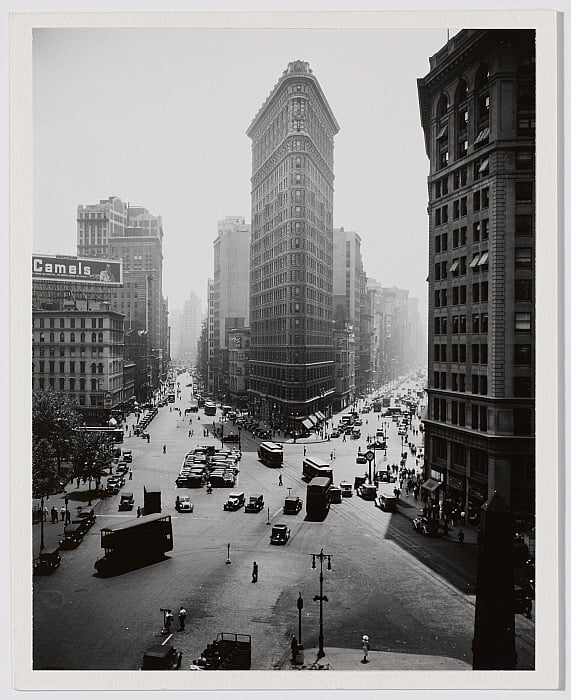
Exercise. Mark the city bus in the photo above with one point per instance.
(318, 498)
(209, 408)
(271, 454)
(116, 434)
(313, 467)
(134, 542)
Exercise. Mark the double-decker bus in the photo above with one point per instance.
(271, 454)
(313, 467)
(116, 434)
(318, 498)
(209, 408)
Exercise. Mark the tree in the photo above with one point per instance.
(89, 454)
(54, 417)
(44, 476)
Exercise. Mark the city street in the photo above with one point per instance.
(408, 593)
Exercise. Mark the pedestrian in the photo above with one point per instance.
(255, 573)
(148, 438)
(67, 517)
(280, 480)
(461, 537)
(130, 474)
(54, 514)
(189, 433)
(181, 618)
(78, 480)
(365, 647)
(164, 449)
(45, 513)
(138, 511)
(304, 450)
(344, 437)
(62, 514)
(294, 649)
(169, 618)
(331, 456)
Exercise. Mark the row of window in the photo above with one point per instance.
(41, 322)
(95, 401)
(95, 368)
(522, 354)
(95, 338)
(479, 324)
(458, 383)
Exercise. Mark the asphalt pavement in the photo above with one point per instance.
(413, 596)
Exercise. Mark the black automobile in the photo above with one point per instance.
(425, 526)
(161, 657)
(47, 563)
(280, 534)
(292, 505)
(255, 504)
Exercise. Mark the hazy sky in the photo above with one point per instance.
(158, 117)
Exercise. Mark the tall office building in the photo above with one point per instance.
(291, 355)
(191, 327)
(228, 297)
(477, 108)
(115, 229)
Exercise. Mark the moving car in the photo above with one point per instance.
(127, 456)
(335, 433)
(346, 489)
(386, 502)
(368, 492)
(280, 534)
(235, 500)
(425, 526)
(292, 505)
(377, 445)
(162, 657)
(183, 504)
(255, 504)
(127, 501)
(361, 459)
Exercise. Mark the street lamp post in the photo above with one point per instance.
(321, 598)
(240, 437)
(299, 609)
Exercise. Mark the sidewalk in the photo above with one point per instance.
(339, 659)
(410, 508)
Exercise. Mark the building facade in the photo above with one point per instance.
(291, 277)
(238, 364)
(228, 297)
(477, 108)
(344, 364)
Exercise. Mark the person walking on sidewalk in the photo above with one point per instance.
(280, 480)
(255, 573)
(182, 618)
(365, 647)
(164, 449)
(461, 537)
(294, 649)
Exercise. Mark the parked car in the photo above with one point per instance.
(162, 657)
(426, 526)
(122, 468)
(255, 504)
(335, 433)
(183, 504)
(368, 492)
(280, 534)
(377, 445)
(361, 459)
(127, 456)
(292, 505)
(47, 563)
(72, 537)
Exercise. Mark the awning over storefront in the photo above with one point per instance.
(319, 415)
(307, 424)
(431, 485)
(313, 419)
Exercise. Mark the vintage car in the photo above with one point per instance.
(361, 459)
(183, 504)
(72, 537)
(127, 456)
(162, 657)
(122, 468)
(292, 505)
(255, 504)
(280, 534)
(368, 492)
(127, 501)
(235, 500)
(335, 433)
(48, 561)
(377, 445)
(346, 489)
(426, 526)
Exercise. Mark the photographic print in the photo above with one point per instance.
(284, 307)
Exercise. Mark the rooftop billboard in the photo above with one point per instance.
(67, 268)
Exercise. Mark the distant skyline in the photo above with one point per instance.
(158, 117)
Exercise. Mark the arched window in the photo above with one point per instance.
(72, 337)
(52, 338)
(94, 385)
(94, 337)
(82, 384)
(62, 337)
(100, 337)
(461, 103)
(82, 338)
(93, 368)
(100, 368)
